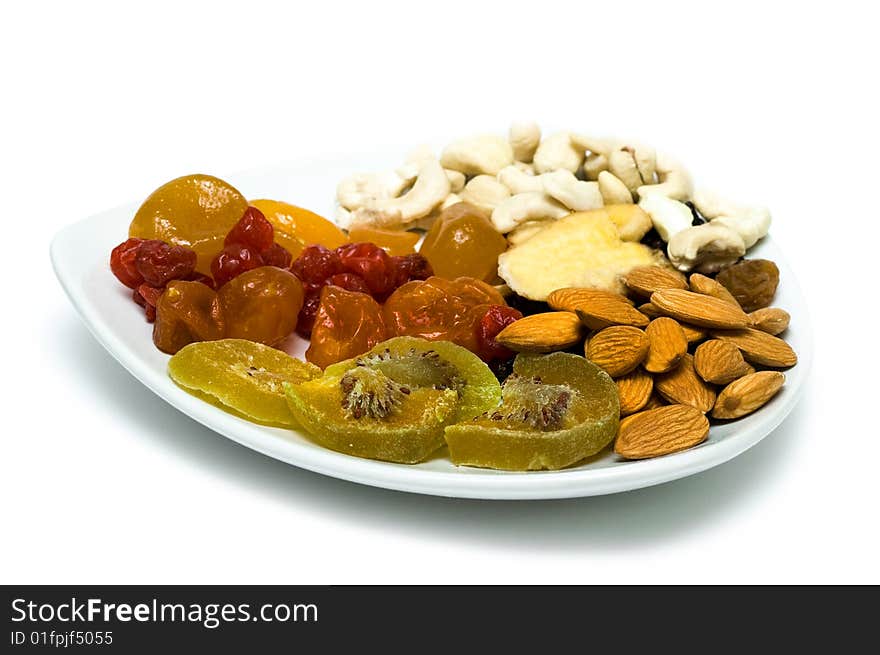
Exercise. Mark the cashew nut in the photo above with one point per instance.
(706, 248)
(524, 139)
(622, 164)
(530, 206)
(596, 145)
(751, 223)
(456, 180)
(675, 182)
(361, 189)
(632, 221)
(430, 189)
(594, 164)
(518, 181)
(614, 192)
(478, 155)
(485, 193)
(575, 194)
(526, 167)
(557, 151)
(668, 216)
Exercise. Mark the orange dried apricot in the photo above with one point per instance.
(396, 242)
(296, 228)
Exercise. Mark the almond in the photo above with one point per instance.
(720, 362)
(771, 320)
(661, 431)
(709, 287)
(645, 280)
(617, 349)
(654, 402)
(668, 345)
(747, 394)
(683, 386)
(650, 310)
(571, 298)
(542, 333)
(634, 390)
(759, 347)
(700, 310)
(693, 333)
(599, 313)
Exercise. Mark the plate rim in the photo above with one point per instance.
(476, 483)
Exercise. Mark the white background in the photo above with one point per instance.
(102, 482)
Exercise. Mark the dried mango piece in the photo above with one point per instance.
(242, 376)
(556, 410)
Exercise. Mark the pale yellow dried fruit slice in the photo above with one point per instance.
(747, 394)
(583, 249)
(661, 431)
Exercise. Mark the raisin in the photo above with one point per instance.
(252, 230)
(232, 261)
(496, 318)
(122, 263)
(159, 263)
(315, 264)
(752, 282)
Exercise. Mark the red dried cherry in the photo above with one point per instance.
(252, 230)
(232, 261)
(306, 319)
(349, 282)
(411, 267)
(496, 318)
(315, 264)
(372, 263)
(122, 263)
(276, 256)
(159, 262)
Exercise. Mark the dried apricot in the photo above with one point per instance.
(462, 242)
(296, 228)
(195, 211)
(347, 324)
(262, 304)
(396, 242)
(187, 312)
(241, 376)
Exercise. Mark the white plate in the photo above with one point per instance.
(80, 254)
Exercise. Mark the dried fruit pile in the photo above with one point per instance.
(688, 350)
(530, 247)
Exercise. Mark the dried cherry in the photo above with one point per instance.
(315, 264)
(159, 263)
(411, 267)
(372, 263)
(349, 282)
(252, 230)
(122, 263)
(201, 277)
(306, 319)
(234, 260)
(496, 318)
(276, 256)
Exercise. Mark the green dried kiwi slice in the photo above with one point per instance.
(556, 410)
(393, 402)
(242, 377)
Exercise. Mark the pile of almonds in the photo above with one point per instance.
(689, 351)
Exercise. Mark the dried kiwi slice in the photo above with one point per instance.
(241, 376)
(556, 410)
(392, 402)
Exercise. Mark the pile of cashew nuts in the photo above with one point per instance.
(521, 182)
